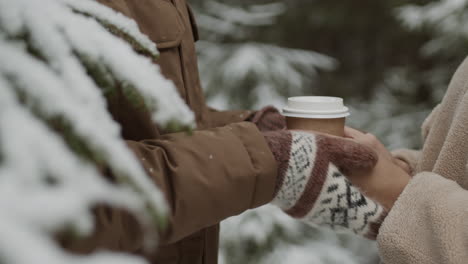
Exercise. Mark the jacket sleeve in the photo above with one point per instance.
(205, 177)
(268, 118)
(209, 175)
(221, 118)
(428, 223)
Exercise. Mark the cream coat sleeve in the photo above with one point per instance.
(429, 221)
(428, 224)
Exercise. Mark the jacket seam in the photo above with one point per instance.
(256, 171)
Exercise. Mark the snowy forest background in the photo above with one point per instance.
(390, 60)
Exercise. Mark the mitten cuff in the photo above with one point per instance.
(280, 145)
(268, 119)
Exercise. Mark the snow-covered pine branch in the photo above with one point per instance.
(231, 21)
(445, 23)
(58, 63)
(119, 24)
(446, 19)
(267, 73)
(446, 15)
(251, 73)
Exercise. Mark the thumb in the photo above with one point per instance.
(346, 154)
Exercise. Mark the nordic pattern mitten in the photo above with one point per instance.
(312, 186)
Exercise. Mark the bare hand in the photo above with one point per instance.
(389, 177)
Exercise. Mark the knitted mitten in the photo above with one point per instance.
(312, 186)
(268, 119)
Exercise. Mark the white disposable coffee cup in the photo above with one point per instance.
(317, 113)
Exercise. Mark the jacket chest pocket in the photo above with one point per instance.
(159, 20)
(164, 24)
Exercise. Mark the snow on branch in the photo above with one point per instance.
(266, 69)
(44, 188)
(447, 19)
(254, 16)
(227, 20)
(447, 16)
(59, 64)
(66, 39)
(251, 73)
(118, 22)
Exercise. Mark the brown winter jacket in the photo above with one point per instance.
(217, 172)
(429, 222)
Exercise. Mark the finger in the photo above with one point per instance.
(402, 164)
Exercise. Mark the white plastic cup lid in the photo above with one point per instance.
(316, 107)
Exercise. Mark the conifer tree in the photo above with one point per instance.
(61, 61)
(236, 64)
